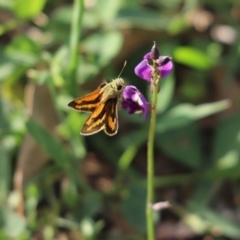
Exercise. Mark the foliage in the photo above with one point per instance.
(55, 182)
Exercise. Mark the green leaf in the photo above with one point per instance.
(27, 9)
(207, 109)
(214, 221)
(177, 24)
(62, 15)
(69, 129)
(4, 124)
(226, 147)
(131, 147)
(106, 10)
(195, 87)
(5, 173)
(7, 67)
(6, 70)
(183, 144)
(186, 113)
(6, 3)
(142, 18)
(49, 143)
(90, 229)
(58, 66)
(166, 94)
(23, 44)
(13, 224)
(193, 57)
(91, 203)
(70, 195)
(31, 202)
(199, 176)
(105, 46)
(134, 205)
(23, 50)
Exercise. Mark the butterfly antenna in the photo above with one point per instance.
(124, 65)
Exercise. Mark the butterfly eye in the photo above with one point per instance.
(119, 87)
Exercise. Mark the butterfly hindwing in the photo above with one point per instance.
(111, 124)
(103, 118)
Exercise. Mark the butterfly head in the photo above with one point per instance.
(119, 84)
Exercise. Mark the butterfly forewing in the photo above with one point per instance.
(89, 102)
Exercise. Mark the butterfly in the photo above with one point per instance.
(103, 106)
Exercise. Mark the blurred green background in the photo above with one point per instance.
(57, 184)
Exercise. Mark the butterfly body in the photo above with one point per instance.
(103, 104)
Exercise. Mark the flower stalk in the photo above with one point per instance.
(152, 68)
(150, 153)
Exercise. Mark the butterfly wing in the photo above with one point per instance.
(111, 124)
(104, 117)
(89, 102)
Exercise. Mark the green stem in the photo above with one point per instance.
(75, 36)
(76, 27)
(150, 166)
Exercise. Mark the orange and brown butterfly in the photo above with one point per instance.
(103, 106)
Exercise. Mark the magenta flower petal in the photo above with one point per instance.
(144, 70)
(147, 55)
(167, 67)
(134, 101)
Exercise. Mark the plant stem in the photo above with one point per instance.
(75, 36)
(150, 166)
(76, 27)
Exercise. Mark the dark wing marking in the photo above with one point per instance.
(103, 118)
(89, 102)
(111, 124)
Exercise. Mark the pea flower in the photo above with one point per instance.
(144, 68)
(134, 101)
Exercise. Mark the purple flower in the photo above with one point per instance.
(134, 101)
(144, 68)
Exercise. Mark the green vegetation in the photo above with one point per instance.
(57, 184)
